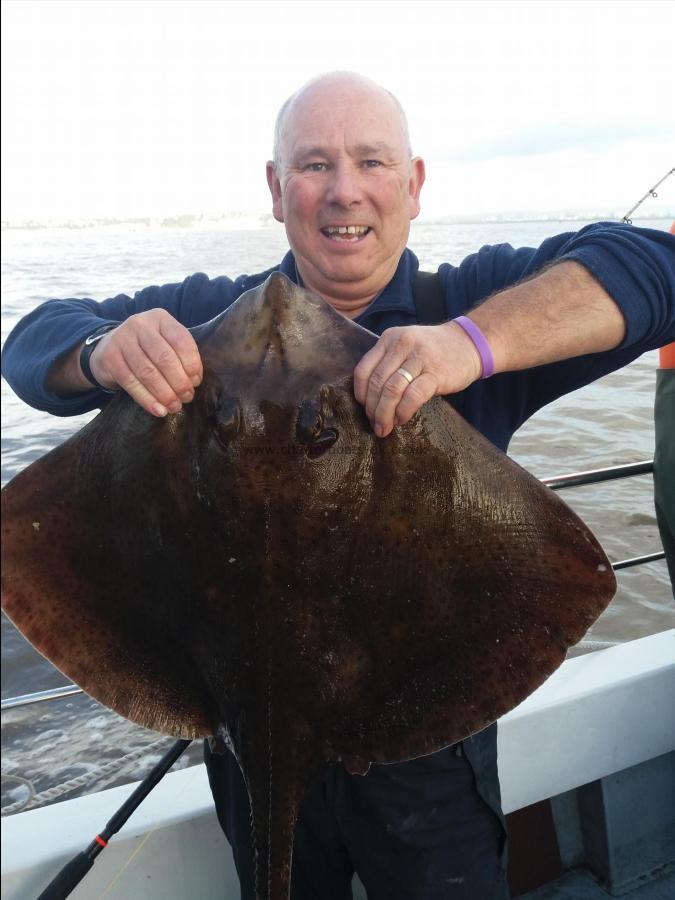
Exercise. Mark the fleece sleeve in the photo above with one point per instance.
(636, 266)
(637, 269)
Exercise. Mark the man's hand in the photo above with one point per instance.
(150, 355)
(153, 358)
(441, 359)
(561, 313)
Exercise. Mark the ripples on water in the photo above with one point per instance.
(603, 424)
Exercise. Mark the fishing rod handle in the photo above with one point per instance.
(68, 878)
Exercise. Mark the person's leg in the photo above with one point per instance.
(420, 831)
(234, 813)
(664, 464)
(321, 869)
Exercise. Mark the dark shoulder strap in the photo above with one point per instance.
(431, 310)
(429, 299)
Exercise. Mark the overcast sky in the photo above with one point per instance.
(159, 108)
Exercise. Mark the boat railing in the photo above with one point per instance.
(611, 473)
(57, 693)
(556, 483)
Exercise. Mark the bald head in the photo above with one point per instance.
(345, 186)
(345, 86)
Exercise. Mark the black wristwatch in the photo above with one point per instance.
(88, 348)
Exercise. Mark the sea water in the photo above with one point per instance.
(604, 424)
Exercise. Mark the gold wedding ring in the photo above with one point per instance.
(406, 374)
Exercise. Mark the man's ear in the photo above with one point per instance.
(275, 191)
(417, 176)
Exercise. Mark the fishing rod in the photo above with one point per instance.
(75, 870)
(650, 193)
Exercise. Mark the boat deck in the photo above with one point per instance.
(580, 885)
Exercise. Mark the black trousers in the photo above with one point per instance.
(417, 830)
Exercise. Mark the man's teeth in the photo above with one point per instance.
(347, 229)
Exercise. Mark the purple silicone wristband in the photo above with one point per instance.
(480, 343)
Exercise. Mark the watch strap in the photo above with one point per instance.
(88, 348)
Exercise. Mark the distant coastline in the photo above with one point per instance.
(253, 221)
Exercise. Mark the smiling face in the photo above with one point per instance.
(345, 188)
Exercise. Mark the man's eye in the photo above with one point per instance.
(316, 167)
(371, 163)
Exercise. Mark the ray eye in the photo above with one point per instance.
(310, 421)
(226, 420)
(322, 442)
(310, 430)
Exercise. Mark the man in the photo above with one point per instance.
(345, 185)
(664, 453)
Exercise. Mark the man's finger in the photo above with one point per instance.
(145, 383)
(364, 368)
(393, 390)
(185, 347)
(398, 344)
(423, 388)
(166, 364)
(125, 378)
(386, 380)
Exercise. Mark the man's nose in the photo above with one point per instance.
(345, 185)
